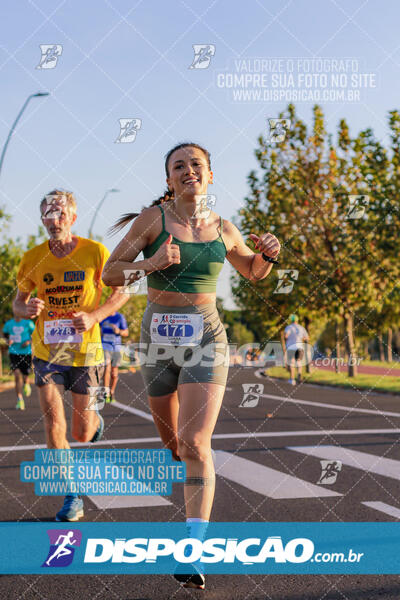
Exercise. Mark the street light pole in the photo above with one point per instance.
(112, 190)
(39, 94)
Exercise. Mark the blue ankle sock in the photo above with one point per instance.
(196, 527)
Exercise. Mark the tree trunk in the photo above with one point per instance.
(283, 344)
(337, 346)
(389, 344)
(308, 346)
(381, 349)
(350, 346)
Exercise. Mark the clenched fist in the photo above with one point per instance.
(267, 243)
(34, 307)
(168, 254)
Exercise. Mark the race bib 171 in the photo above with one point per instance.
(176, 330)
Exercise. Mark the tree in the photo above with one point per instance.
(240, 335)
(11, 252)
(302, 194)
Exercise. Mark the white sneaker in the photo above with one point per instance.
(292, 382)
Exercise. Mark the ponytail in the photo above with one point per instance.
(128, 217)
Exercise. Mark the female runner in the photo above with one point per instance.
(184, 250)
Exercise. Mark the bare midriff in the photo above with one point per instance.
(179, 298)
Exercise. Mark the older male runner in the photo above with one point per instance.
(67, 353)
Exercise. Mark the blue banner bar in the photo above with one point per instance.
(251, 548)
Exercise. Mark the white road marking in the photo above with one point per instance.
(266, 481)
(370, 411)
(218, 436)
(134, 411)
(111, 502)
(385, 508)
(387, 467)
(84, 444)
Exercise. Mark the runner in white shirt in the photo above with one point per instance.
(295, 336)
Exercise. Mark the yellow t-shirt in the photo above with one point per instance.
(67, 285)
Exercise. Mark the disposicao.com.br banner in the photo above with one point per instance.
(252, 548)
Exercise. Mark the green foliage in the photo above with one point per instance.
(133, 311)
(240, 334)
(11, 252)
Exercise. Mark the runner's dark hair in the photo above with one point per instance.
(168, 194)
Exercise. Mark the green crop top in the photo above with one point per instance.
(198, 270)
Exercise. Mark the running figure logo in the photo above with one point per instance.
(128, 130)
(251, 394)
(61, 355)
(97, 397)
(50, 55)
(329, 472)
(54, 205)
(134, 278)
(202, 56)
(203, 207)
(61, 550)
(278, 129)
(286, 281)
(357, 207)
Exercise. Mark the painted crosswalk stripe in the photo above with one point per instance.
(385, 508)
(388, 467)
(111, 502)
(265, 480)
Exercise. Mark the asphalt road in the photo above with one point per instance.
(252, 485)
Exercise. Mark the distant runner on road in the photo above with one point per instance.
(295, 336)
(18, 333)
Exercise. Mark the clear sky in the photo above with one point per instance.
(130, 59)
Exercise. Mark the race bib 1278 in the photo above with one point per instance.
(61, 331)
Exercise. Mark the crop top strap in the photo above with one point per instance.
(163, 216)
(221, 224)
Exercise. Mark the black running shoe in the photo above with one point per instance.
(194, 580)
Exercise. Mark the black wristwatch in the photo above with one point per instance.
(269, 259)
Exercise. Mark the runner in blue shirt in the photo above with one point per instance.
(18, 333)
(112, 328)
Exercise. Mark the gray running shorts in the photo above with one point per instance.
(165, 366)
